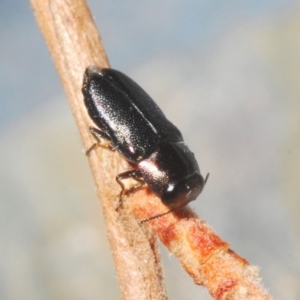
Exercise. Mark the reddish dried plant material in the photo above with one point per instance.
(203, 254)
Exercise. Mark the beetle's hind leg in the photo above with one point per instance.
(134, 174)
(99, 136)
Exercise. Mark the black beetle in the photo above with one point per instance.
(130, 120)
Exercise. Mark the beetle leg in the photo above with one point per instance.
(134, 174)
(98, 135)
(205, 180)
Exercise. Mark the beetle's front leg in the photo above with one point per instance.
(99, 136)
(134, 174)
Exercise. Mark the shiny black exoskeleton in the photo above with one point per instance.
(136, 127)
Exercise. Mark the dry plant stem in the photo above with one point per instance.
(203, 254)
(74, 43)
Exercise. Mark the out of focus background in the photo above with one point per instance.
(225, 72)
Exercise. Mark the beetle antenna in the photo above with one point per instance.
(205, 180)
(157, 216)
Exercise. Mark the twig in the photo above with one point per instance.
(204, 255)
(74, 44)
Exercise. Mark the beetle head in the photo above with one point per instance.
(172, 173)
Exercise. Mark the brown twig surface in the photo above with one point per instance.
(74, 44)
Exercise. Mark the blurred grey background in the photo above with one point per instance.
(225, 72)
